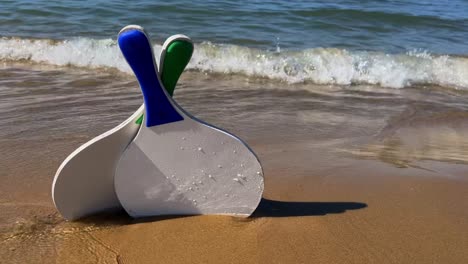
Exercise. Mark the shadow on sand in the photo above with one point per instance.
(271, 208)
(266, 208)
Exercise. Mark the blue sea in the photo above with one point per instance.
(386, 43)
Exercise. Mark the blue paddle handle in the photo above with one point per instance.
(137, 50)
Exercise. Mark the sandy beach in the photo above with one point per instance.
(374, 188)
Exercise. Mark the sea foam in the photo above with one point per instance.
(315, 65)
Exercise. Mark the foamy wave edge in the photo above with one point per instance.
(317, 65)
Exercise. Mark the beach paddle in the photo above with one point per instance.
(84, 182)
(177, 164)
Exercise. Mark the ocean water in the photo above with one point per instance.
(384, 80)
(386, 43)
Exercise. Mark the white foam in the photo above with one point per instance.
(336, 66)
(318, 65)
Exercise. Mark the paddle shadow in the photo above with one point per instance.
(271, 208)
(266, 208)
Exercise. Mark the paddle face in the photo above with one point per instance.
(84, 183)
(188, 168)
(177, 165)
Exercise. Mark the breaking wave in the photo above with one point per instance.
(315, 65)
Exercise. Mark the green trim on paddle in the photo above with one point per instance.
(140, 119)
(178, 55)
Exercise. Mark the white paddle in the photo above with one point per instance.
(176, 164)
(84, 182)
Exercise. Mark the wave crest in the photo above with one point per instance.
(317, 65)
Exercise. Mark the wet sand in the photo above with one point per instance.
(343, 183)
